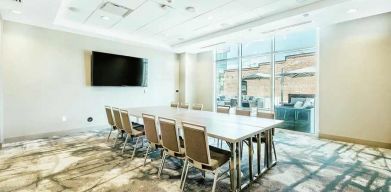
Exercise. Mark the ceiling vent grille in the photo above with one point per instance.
(115, 9)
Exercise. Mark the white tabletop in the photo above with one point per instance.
(228, 127)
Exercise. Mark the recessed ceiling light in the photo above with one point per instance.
(105, 18)
(73, 9)
(190, 9)
(351, 11)
(16, 12)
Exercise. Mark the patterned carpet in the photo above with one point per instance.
(85, 162)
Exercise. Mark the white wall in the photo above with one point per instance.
(355, 79)
(47, 76)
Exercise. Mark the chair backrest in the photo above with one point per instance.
(109, 114)
(169, 133)
(150, 128)
(117, 118)
(184, 105)
(173, 104)
(198, 107)
(126, 123)
(266, 115)
(196, 144)
(223, 109)
(243, 112)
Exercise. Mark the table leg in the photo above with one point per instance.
(250, 158)
(232, 166)
(268, 149)
(258, 153)
(238, 168)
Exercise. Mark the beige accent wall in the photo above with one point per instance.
(1, 86)
(47, 77)
(355, 79)
(196, 78)
(203, 80)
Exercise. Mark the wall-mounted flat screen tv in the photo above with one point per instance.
(118, 70)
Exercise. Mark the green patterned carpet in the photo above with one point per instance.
(85, 162)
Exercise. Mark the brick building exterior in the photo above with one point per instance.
(261, 87)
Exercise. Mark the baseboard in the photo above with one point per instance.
(51, 134)
(354, 140)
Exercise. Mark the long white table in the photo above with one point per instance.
(228, 127)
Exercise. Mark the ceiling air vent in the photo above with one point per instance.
(115, 9)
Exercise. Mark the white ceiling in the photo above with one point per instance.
(172, 27)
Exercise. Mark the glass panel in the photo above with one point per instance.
(257, 47)
(256, 82)
(227, 82)
(227, 52)
(295, 89)
(295, 40)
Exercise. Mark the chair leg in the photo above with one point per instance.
(162, 164)
(241, 149)
(108, 137)
(274, 149)
(184, 177)
(146, 154)
(216, 174)
(135, 147)
(126, 140)
(116, 138)
(183, 172)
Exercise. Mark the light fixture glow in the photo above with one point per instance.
(105, 18)
(16, 12)
(352, 11)
(210, 18)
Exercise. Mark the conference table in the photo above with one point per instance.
(231, 128)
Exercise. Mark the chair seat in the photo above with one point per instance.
(138, 131)
(137, 125)
(218, 157)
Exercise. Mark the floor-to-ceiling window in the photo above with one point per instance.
(227, 74)
(276, 73)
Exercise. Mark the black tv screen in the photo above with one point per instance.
(118, 70)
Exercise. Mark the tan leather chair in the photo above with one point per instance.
(132, 130)
(243, 112)
(266, 115)
(117, 123)
(200, 155)
(222, 109)
(198, 107)
(151, 133)
(174, 104)
(110, 120)
(184, 106)
(172, 144)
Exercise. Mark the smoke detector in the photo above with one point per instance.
(115, 9)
